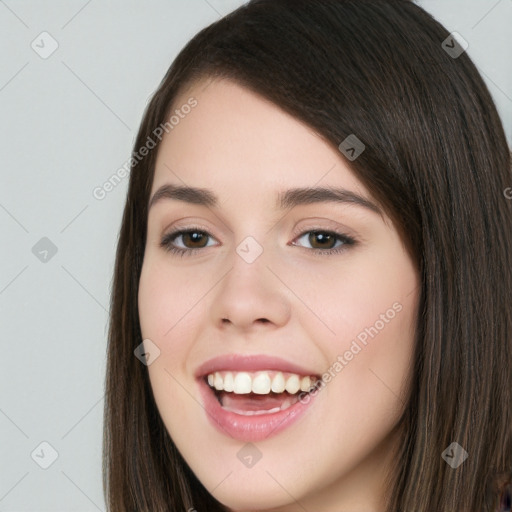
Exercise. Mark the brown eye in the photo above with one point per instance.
(189, 241)
(194, 239)
(185, 241)
(326, 242)
(324, 239)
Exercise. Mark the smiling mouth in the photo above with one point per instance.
(257, 393)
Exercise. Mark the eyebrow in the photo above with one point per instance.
(286, 199)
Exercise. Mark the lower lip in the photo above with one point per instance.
(249, 428)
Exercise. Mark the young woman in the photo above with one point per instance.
(311, 306)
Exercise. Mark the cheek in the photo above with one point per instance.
(376, 359)
(168, 317)
(151, 299)
(375, 327)
(368, 306)
(164, 320)
(169, 302)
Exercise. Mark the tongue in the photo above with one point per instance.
(254, 402)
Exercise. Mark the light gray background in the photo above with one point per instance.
(68, 122)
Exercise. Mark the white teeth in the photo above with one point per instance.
(217, 381)
(287, 403)
(260, 383)
(278, 384)
(305, 384)
(293, 384)
(242, 384)
(229, 382)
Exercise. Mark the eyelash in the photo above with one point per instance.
(166, 244)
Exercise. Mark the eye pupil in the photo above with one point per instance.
(321, 237)
(195, 237)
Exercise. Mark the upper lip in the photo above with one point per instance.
(255, 362)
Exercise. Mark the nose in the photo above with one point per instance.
(250, 296)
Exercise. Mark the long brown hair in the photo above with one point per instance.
(435, 157)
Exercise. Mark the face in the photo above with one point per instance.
(273, 293)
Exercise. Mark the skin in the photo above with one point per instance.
(246, 150)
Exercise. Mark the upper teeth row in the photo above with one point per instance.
(260, 383)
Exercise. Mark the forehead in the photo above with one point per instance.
(234, 137)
